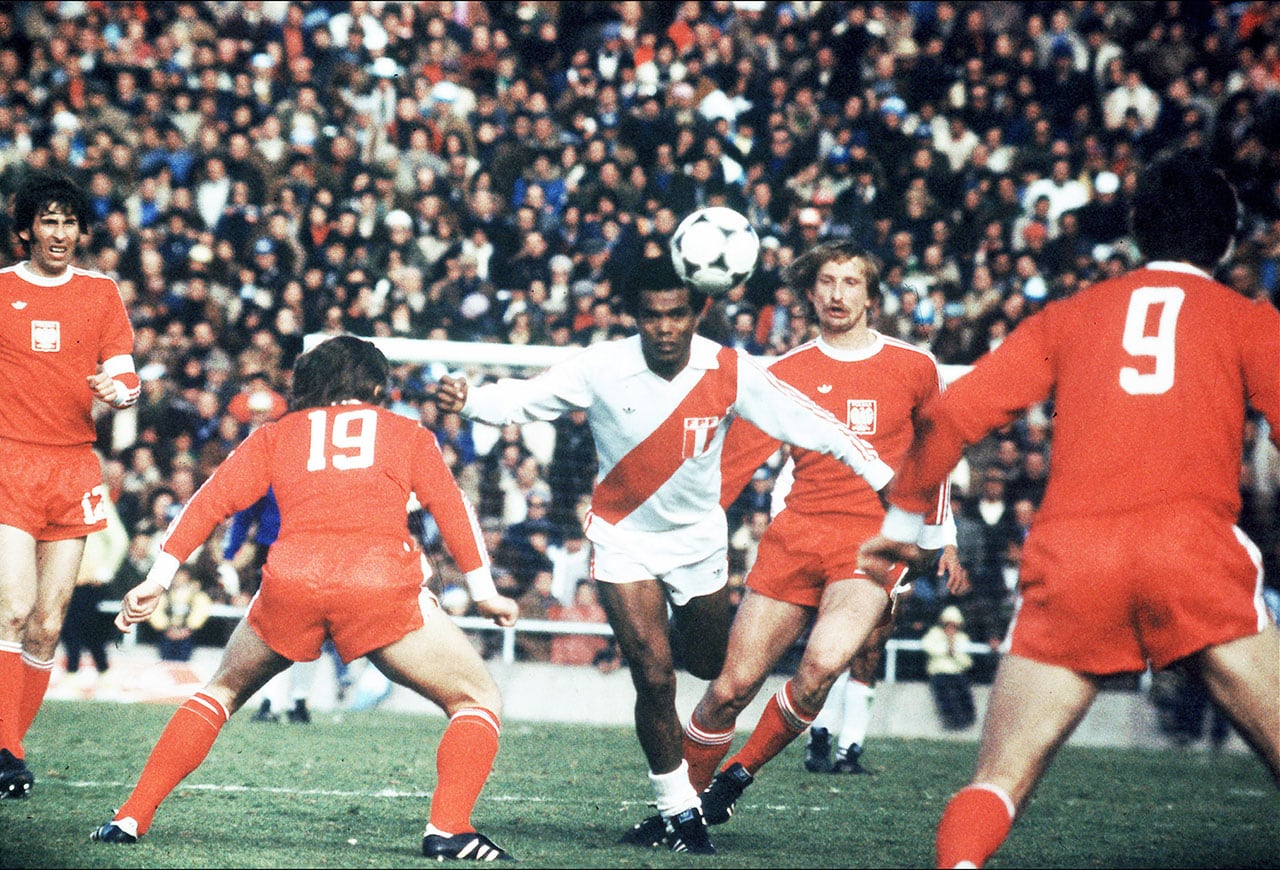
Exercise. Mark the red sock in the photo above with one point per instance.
(704, 750)
(35, 683)
(12, 676)
(975, 823)
(463, 761)
(183, 745)
(781, 722)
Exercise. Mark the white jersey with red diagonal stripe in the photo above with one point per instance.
(659, 442)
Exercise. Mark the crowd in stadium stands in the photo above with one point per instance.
(493, 172)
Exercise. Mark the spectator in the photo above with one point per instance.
(183, 610)
(1029, 481)
(1130, 99)
(583, 649)
(570, 563)
(1103, 218)
(757, 497)
(257, 402)
(992, 516)
(537, 602)
(526, 495)
(526, 543)
(744, 542)
(571, 471)
(948, 665)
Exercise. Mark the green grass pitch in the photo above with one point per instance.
(353, 791)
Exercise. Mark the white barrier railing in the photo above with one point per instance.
(550, 626)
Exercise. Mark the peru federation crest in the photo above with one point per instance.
(697, 435)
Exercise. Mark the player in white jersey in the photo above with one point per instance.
(805, 576)
(658, 405)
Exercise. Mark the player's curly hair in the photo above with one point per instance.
(42, 189)
(801, 274)
(1184, 209)
(341, 368)
(654, 274)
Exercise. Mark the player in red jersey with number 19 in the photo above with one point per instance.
(65, 340)
(1134, 558)
(344, 566)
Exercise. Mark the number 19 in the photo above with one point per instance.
(353, 432)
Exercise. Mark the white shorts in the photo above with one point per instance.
(682, 582)
(690, 561)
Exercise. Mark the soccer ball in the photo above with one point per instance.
(714, 249)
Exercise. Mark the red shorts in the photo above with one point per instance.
(800, 554)
(1105, 594)
(364, 597)
(52, 493)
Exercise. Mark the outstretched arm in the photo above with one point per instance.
(783, 412)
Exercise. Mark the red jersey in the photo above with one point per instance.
(1149, 373)
(876, 391)
(54, 333)
(343, 476)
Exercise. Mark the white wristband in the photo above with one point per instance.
(480, 584)
(902, 526)
(164, 568)
(939, 536)
(877, 474)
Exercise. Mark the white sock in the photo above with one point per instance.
(432, 830)
(302, 675)
(857, 714)
(277, 691)
(673, 790)
(832, 712)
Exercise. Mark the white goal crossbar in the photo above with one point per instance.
(425, 351)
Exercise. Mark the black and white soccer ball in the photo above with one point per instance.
(714, 249)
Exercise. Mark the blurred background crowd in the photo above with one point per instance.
(497, 171)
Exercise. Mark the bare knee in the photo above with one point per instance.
(813, 681)
(14, 615)
(654, 677)
(726, 698)
(41, 636)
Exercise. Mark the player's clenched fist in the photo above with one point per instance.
(451, 394)
(139, 603)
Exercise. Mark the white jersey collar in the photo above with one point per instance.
(26, 273)
(1171, 266)
(630, 359)
(852, 354)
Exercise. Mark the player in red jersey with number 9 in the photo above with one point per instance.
(1134, 558)
(65, 340)
(344, 566)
